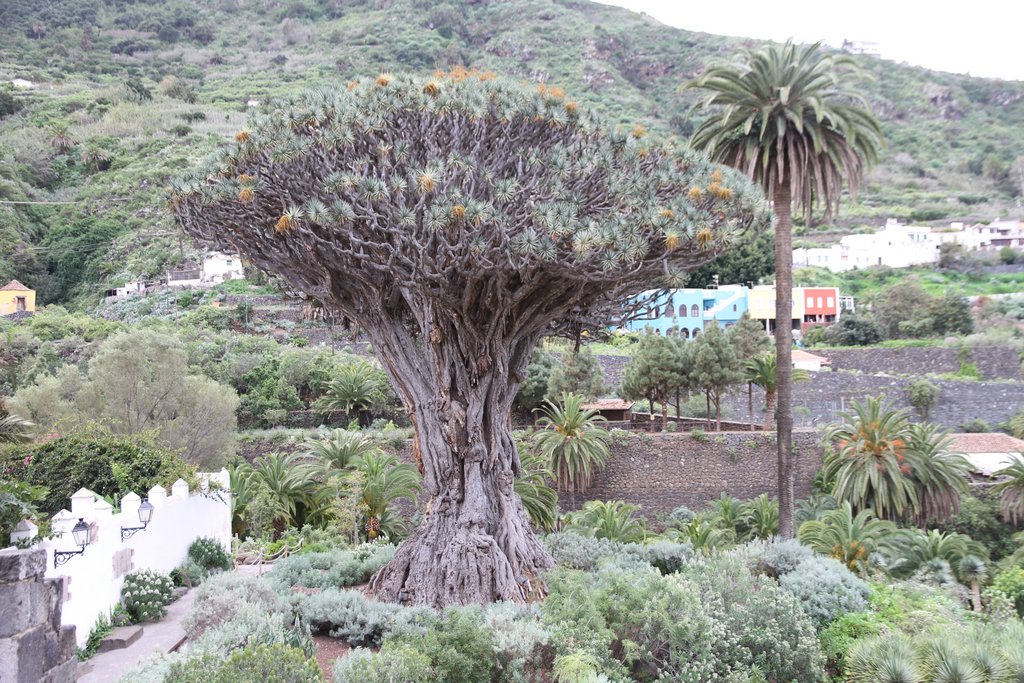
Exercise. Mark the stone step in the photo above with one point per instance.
(120, 638)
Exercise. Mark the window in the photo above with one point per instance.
(686, 333)
(819, 302)
(20, 303)
(831, 302)
(682, 311)
(695, 311)
(734, 307)
(669, 310)
(810, 302)
(696, 331)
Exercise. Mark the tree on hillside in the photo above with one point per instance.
(715, 368)
(577, 373)
(853, 329)
(749, 340)
(655, 372)
(788, 117)
(458, 220)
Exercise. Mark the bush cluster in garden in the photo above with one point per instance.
(222, 595)
(576, 551)
(347, 614)
(146, 594)
(334, 569)
(275, 662)
(209, 554)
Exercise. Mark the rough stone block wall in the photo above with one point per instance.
(34, 647)
(994, 362)
(663, 471)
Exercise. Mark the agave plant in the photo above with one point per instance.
(882, 660)
(848, 538)
(614, 520)
(575, 447)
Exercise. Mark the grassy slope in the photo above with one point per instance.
(944, 130)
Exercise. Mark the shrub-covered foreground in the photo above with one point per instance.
(763, 611)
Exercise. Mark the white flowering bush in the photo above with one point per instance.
(146, 594)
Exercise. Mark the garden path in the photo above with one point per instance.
(161, 636)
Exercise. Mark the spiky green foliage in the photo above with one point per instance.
(355, 386)
(539, 499)
(1011, 491)
(571, 441)
(14, 429)
(291, 479)
(914, 549)
(385, 481)
(614, 519)
(880, 461)
(791, 114)
(340, 448)
(849, 538)
(761, 372)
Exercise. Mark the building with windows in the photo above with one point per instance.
(17, 298)
(685, 312)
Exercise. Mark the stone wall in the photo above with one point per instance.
(34, 647)
(994, 362)
(661, 472)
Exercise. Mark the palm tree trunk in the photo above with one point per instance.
(782, 197)
(976, 595)
(769, 409)
(750, 403)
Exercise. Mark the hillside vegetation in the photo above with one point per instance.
(126, 95)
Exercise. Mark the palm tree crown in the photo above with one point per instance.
(790, 117)
(572, 442)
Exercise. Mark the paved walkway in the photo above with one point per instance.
(160, 636)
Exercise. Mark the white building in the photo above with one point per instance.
(901, 246)
(218, 267)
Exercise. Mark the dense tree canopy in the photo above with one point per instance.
(457, 220)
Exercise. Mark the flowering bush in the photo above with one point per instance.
(146, 594)
(208, 554)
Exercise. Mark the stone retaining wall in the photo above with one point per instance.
(34, 647)
(994, 362)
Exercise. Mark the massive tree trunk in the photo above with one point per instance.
(475, 544)
(782, 197)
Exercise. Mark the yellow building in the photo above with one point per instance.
(761, 306)
(16, 297)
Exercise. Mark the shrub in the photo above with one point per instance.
(394, 662)
(146, 594)
(221, 596)
(248, 665)
(334, 569)
(839, 637)
(923, 395)
(580, 552)
(252, 624)
(680, 517)
(347, 615)
(522, 643)
(209, 554)
(774, 556)
(459, 646)
(189, 574)
(668, 556)
(1011, 584)
(767, 628)
(826, 589)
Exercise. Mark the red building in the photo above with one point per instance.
(821, 305)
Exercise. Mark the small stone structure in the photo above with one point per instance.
(34, 647)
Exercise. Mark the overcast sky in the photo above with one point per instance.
(979, 37)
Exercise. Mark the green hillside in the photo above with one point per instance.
(126, 95)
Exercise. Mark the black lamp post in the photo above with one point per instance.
(80, 533)
(145, 514)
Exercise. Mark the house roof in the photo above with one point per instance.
(993, 442)
(799, 354)
(608, 404)
(14, 286)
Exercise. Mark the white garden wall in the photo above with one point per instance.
(93, 579)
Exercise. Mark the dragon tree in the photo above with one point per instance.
(458, 220)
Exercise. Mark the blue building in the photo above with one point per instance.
(686, 311)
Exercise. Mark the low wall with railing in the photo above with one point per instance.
(92, 580)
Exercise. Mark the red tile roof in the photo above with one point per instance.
(985, 443)
(608, 404)
(14, 286)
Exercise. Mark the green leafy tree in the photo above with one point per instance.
(749, 262)
(748, 338)
(923, 396)
(853, 329)
(571, 441)
(951, 314)
(535, 387)
(578, 373)
(655, 372)
(715, 368)
(903, 309)
(790, 117)
(458, 220)
(762, 372)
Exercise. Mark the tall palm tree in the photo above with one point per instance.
(788, 117)
(539, 499)
(973, 570)
(1011, 492)
(762, 371)
(845, 537)
(572, 442)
